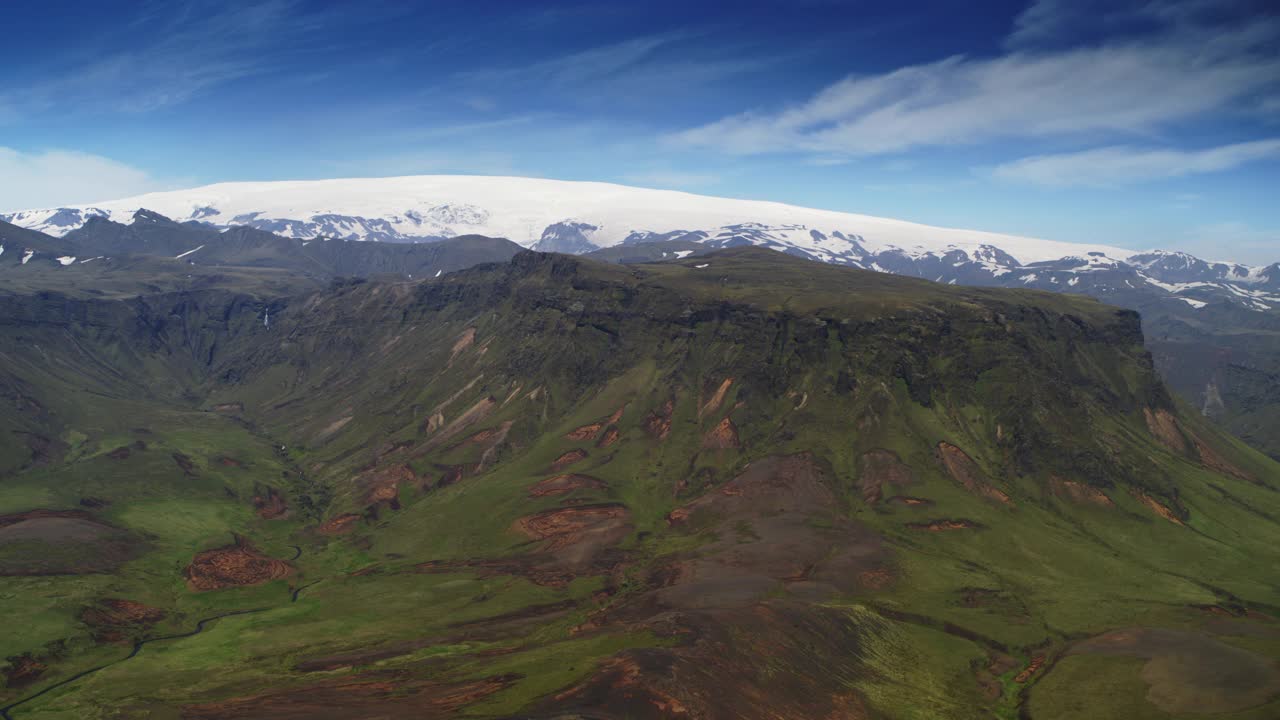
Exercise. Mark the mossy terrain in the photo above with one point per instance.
(738, 485)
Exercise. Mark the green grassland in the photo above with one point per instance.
(342, 388)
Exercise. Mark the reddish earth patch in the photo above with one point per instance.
(340, 525)
(812, 651)
(464, 341)
(226, 461)
(610, 437)
(563, 484)
(484, 437)
(231, 407)
(1212, 460)
(879, 468)
(658, 423)
(562, 528)
(270, 504)
(1037, 662)
(1156, 506)
(966, 472)
(1079, 492)
(374, 695)
(567, 459)
(1164, 426)
(716, 399)
(776, 526)
(909, 501)
(723, 436)
(450, 474)
(616, 416)
(474, 414)
(586, 432)
(236, 565)
(113, 620)
(382, 484)
(23, 670)
(942, 525)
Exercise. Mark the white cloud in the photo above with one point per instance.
(1129, 87)
(62, 177)
(1113, 166)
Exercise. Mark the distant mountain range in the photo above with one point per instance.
(1213, 327)
(581, 217)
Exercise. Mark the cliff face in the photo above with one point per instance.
(740, 485)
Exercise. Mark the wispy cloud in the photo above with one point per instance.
(63, 177)
(176, 51)
(1115, 166)
(1135, 86)
(639, 67)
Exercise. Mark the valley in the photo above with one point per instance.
(549, 486)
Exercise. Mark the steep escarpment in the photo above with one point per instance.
(738, 486)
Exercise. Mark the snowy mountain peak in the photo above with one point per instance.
(581, 217)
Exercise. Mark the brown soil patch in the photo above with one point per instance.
(474, 414)
(723, 436)
(23, 670)
(1165, 428)
(574, 533)
(716, 399)
(114, 620)
(382, 484)
(1212, 460)
(586, 432)
(1189, 672)
(1156, 506)
(226, 461)
(812, 653)
(1033, 667)
(120, 453)
(909, 501)
(373, 695)
(616, 416)
(270, 504)
(776, 525)
(943, 525)
(658, 422)
(464, 341)
(63, 542)
(236, 565)
(333, 427)
(1079, 492)
(966, 472)
(879, 468)
(340, 525)
(609, 437)
(231, 407)
(563, 484)
(567, 459)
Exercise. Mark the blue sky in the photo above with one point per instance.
(1153, 123)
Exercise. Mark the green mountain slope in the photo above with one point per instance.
(737, 485)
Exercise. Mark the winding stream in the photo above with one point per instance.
(137, 646)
